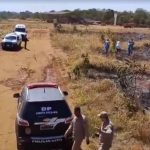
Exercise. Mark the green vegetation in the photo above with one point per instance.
(139, 18)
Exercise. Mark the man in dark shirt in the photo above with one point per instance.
(25, 42)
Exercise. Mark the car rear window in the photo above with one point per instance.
(37, 111)
(20, 30)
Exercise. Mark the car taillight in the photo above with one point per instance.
(68, 120)
(22, 122)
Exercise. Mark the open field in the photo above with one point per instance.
(56, 57)
(93, 78)
(17, 68)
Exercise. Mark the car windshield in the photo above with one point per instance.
(10, 37)
(37, 111)
(20, 30)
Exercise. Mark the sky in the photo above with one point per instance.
(58, 5)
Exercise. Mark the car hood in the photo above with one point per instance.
(6, 40)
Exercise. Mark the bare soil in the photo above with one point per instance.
(18, 68)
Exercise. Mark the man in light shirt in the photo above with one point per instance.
(105, 132)
(79, 129)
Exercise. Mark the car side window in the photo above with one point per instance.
(17, 37)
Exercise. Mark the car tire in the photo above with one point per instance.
(67, 148)
(3, 47)
(19, 45)
(21, 147)
(68, 145)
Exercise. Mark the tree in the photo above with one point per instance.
(25, 15)
(140, 16)
(108, 16)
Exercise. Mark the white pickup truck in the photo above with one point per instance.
(20, 29)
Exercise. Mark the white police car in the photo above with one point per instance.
(20, 29)
(11, 41)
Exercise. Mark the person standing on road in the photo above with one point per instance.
(79, 129)
(105, 132)
(25, 42)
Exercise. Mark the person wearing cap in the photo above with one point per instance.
(106, 46)
(105, 132)
(79, 129)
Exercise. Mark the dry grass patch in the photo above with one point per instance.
(95, 95)
(77, 42)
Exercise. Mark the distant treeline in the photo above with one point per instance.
(140, 17)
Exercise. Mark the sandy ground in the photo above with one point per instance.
(16, 69)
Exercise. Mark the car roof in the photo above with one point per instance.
(11, 34)
(38, 92)
(20, 26)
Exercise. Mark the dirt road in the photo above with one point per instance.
(17, 68)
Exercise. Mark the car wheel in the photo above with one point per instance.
(3, 47)
(19, 45)
(68, 145)
(19, 147)
(67, 148)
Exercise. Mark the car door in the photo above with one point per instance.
(19, 40)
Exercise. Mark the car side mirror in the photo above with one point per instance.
(16, 95)
(65, 93)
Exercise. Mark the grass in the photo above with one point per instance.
(7, 26)
(96, 95)
(93, 95)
